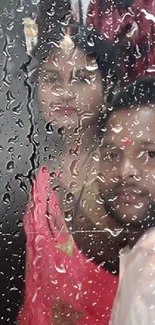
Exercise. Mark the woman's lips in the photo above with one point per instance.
(64, 110)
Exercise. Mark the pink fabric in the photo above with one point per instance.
(60, 289)
(138, 58)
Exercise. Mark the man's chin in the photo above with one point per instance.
(128, 215)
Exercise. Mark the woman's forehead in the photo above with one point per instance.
(77, 58)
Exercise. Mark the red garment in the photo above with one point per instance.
(61, 288)
(114, 21)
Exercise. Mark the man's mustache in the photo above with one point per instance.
(124, 188)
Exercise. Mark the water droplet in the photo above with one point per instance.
(91, 41)
(19, 223)
(51, 11)
(10, 166)
(6, 198)
(65, 20)
(60, 269)
(83, 203)
(56, 188)
(20, 123)
(14, 139)
(73, 186)
(73, 168)
(101, 177)
(20, 7)
(13, 289)
(35, 2)
(94, 171)
(49, 127)
(140, 134)
(95, 156)
(1, 112)
(11, 149)
(52, 175)
(69, 197)
(139, 205)
(117, 129)
(17, 109)
(69, 215)
(8, 187)
(134, 218)
(100, 200)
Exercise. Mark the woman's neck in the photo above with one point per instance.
(79, 139)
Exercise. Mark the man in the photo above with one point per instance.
(128, 192)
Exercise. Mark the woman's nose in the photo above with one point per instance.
(68, 93)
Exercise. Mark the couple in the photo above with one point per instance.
(88, 202)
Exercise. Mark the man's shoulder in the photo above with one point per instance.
(147, 241)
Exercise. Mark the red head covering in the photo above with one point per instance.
(62, 285)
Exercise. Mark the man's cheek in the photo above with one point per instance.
(105, 187)
(149, 181)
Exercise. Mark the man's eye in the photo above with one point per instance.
(151, 154)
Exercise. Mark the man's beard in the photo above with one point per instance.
(146, 221)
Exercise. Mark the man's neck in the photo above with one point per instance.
(133, 235)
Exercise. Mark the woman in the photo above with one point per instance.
(129, 23)
(68, 245)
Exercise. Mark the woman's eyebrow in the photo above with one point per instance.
(83, 70)
(107, 144)
(50, 70)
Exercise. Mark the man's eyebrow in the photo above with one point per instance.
(147, 142)
(110, 144)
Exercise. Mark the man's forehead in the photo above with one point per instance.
(131, 125)
(131, 119)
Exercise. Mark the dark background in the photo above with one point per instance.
(17, 148)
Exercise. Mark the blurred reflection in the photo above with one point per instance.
(131, 25)
(71, 241)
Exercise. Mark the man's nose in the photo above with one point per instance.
(129, 168)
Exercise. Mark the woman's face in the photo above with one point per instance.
(70, 88)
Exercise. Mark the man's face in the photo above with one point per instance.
(127, 183)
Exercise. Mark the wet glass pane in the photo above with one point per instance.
(77, 162)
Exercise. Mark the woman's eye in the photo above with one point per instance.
(82, 79)
(51, 78)
(82, 76)
(111, 156)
